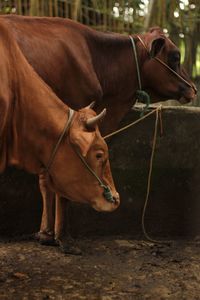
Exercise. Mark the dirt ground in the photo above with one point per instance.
(109, 268)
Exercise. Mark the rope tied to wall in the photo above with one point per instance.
(158, 121)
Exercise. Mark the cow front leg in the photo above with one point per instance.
(46, 233)
(62, 235)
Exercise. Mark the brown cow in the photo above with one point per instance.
(81, 64)
(31, 123)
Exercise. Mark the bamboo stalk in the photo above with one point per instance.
(66, 9)
(50, 8)
(56, 8)
(75, 10)
(34, 7)
(151, 15)
(19, 7)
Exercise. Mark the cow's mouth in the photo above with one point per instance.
(157, 96)
(106, 206)
(189, 96)
(184, 100)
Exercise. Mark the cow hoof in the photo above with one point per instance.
(69, 248)
(45, 239)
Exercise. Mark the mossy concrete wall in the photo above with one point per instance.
(174, 201)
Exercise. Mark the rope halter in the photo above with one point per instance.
(107, 192)
(167, 66)
(65, 131)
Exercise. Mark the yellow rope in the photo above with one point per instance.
(158, 118)
(149, 179)
(133, 123)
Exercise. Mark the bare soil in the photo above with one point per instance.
(109, 268)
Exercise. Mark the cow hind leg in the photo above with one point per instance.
(46, 233)
(62, 235)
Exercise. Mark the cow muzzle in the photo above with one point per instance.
(188, 94)
(112, 198)
(107, 193)
(116, 199)
(101, 205)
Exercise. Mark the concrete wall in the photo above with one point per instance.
(174, 202)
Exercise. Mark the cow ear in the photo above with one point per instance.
(82, 140)
(156, 30)
(156, 46)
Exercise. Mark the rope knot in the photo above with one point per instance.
(107, 194)
(144, 97)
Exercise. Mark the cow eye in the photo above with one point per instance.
(99, 155)
(175, 58)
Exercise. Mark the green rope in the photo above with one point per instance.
(141, 95)
(144, 97)
(107, 192)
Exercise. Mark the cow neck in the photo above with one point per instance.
(115, 66)
(113, 63)
(38, 117)
(64, 132)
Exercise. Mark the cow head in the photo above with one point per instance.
(157, 79)
(84, 142)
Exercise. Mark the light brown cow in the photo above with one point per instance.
(32, 120)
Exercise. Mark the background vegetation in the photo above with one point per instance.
(178, 18)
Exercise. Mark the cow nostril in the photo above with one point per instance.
(194, 88)
(116, 199)
(109, 196)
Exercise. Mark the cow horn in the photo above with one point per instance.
(91, 105)
(90, 123)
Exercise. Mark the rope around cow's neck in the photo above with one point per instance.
(65, 130)
(141, 95)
